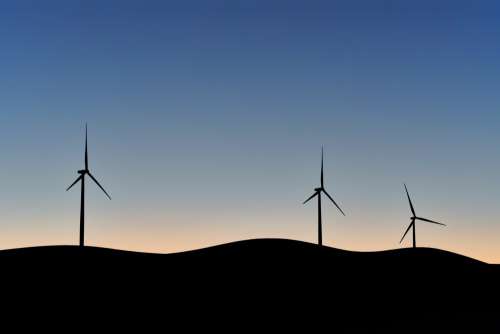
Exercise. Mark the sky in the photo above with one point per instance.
(206, 121)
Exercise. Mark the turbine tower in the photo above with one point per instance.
(81, 178)
(317, 192)
(413, 219)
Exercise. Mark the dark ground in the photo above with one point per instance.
(284, 281)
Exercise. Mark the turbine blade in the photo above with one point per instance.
(322, 178)
(310, 198)
(86, 151)
(406, 232)
(76, 181)
(93, 178)
(331, 199)
(429, 221)
(409, 200)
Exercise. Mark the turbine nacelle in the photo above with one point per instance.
(83, 171)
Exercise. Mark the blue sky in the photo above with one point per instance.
(206, 120)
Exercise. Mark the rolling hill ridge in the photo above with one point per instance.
(273, 270)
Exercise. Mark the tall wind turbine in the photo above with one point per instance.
(413, 219)
(81, 178)
(317, 192)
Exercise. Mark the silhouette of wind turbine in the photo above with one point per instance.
(81, 178)
(317, 192)
(413, 219)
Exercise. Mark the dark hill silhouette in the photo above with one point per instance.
(269, 254)
(273, 274)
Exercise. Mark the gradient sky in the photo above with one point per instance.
(206, 120)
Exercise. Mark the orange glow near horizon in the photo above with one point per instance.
(337, 234)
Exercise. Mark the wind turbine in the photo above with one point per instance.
(81, 178)
(317, 192)
(413, 219)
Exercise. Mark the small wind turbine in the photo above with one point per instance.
(81, 178)
(317, 192)
(413, 219)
